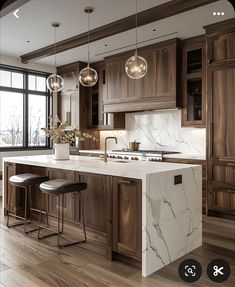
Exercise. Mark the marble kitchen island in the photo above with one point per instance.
(171, 199)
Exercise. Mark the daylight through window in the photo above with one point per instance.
(24, 109)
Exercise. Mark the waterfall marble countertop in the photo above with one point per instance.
(171, 213)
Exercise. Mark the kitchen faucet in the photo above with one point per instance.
(105, 147)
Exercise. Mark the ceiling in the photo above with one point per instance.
(35, 17)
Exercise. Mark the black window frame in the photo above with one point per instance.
(26, 92)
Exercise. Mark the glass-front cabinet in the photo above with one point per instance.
(193, 79)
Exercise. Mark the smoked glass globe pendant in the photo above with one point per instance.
(136, 66)
(55, 83)
(88, 76)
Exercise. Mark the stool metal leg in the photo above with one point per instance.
(83, 222)
(60, 225)
(9, 214)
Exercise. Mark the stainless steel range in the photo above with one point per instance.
(143, 155)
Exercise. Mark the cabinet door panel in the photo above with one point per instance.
(165, 61)
(94, 200)
(223, 47)
(117, 80)
(127, 217)
(144, 88)
(223, 88)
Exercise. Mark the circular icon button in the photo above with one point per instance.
(190, 270)
(218, 270)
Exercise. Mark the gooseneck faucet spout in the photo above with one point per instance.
(105, 147)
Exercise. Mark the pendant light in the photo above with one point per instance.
(88, 77)
(136, 66)
(55, 83)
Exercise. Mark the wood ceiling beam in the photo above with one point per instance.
(9, 6)
(144, 17)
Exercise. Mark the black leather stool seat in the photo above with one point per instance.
(27, 179)
(61, 186)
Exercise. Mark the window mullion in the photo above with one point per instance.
(26, 104)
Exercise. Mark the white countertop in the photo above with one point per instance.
(131, 169)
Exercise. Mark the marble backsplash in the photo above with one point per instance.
(158, 130)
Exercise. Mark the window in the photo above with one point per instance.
(24, 109)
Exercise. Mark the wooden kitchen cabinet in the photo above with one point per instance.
(221, 118)
(156, 90)
(73, 100)
(193, 82)
(99, 119)
(94, 200)
(127, 217)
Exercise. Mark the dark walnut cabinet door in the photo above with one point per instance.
(223, 115)
(117, 80)
(127, 217)
(156, 90)
(222, 140)
(221, 47)
(94, 200)
(165, 75)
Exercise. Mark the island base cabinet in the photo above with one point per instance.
(127, 216)
(94, 200)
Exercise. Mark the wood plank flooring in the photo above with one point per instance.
(27, 262)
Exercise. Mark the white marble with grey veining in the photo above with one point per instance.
(159, 130)
(171, 217)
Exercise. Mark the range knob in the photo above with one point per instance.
(125, 157)
(136, 158)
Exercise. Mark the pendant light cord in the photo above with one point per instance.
(136, 25)
(55, 50)
(88, 41)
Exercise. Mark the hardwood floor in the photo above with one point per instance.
(27, 262)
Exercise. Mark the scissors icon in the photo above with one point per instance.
(218, 270)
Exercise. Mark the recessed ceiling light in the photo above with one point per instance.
(28, 41)
(154, 30)
(106, 45)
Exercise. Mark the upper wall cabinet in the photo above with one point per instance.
(193, 82)
(220, 44)
(156, 90)
(73, 100)
(99, 119)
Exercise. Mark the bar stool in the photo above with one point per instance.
(26, 181)
(58, 188)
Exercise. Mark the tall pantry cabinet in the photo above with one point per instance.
(220, 40)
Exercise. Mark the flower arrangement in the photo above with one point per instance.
(61, 133)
